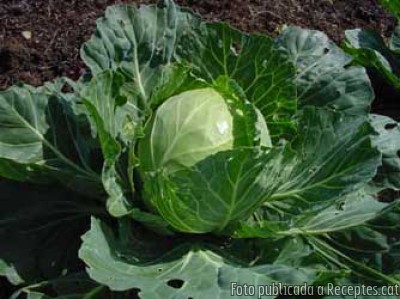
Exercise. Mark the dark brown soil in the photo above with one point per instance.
(59, 27)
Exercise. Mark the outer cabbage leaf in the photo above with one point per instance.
(41, 138)
(183, 271)
(356, 233)
(350, 211)
(117, 108)
(388, 142)
(138, 40)
(36, 221)
(334, 156)
(341, 214)
(116, 117)
(314, 172)
(324, 77)
(369, 49)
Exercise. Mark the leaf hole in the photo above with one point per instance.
(333, 107)
(121, 23)
(175, 283)
(133, 293)
(326, 50)
(387, 195)
(390, 126)
(340, 206)
(159, 270)
(398, 153)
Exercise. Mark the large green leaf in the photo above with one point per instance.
(217, 191)
(334, 157)
(24, 124)
(116, 117)
(353, 233)
(42, 138)
(262, 70)
(350, 211)
(137, 39)
(116, 107)
(35, 222)
(369, 249)
(187, 271)
(324, 77)
(388, 142)
(369, 49)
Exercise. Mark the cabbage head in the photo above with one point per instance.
(186, 129)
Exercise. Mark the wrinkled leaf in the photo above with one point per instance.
(186, 272)
(369, 49)
(354, 210)
(217, 191)
(41, 138)
(115, 119)
(334, 157)
(137, 39)
(324, 77)
(35, 222)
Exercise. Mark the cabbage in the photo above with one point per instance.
(194, 161)
(185, 129)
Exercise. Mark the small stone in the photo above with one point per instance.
(27, 34)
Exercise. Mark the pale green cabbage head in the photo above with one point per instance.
(186, 129)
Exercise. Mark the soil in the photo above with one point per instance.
(59, 27)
